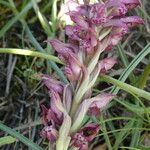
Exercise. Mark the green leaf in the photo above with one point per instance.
(26, 52)
(7, 140)
(20, 137)
(128, 88)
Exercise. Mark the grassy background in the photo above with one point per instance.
(25, 25)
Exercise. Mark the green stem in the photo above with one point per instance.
(126, 87)
(30, 53)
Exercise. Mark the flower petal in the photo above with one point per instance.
(78, 19)
(130, 4)
(52, 84)
(63, 49)
(101, 100)
(73, 68)
(106, 64)
(132, 21)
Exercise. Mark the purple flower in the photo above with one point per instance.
(52, 85)
(80, 141)
(97, 28)
(92, 107)
(54, 103)
(73, 69)
(116, 8)
(132, 21)
(78, 19)
(63, 50)
(75, 32)
(88, 43)
(84, 136)
(106, 64)
(130, 4)
(124, 22)
(49, 117)
(49, 133)
(97, 14)
(99, 103)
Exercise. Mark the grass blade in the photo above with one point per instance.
(128, 88)
(121, 135)
(38, 47)
(19, 137)
(30, 53)
(13, 20)
(7, 140)
(132, 66)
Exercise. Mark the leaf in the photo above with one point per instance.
(26, 52)
(20, 137)
(7, 140)
(128, 88)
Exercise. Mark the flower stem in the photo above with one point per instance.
(74, 109)
(126, 87)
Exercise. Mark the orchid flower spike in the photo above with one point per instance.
(97, 28)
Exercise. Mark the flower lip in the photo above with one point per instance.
(90, 131)
(50, 133)
(85, 135)
(79, 141)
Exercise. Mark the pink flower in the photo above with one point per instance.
(73, 69)
(52, 85)
(106, 64)
(116, 7)
(50, 133)
(132, 21)
(75, 32)
(55, 98)
(78, 19)
(62, 49)
(125, 21)
(99, 103)
(84, 136)
(130, 4)
(97, 14)
(49, 117)
(92, 107)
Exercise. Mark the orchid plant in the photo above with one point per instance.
(97, 29)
